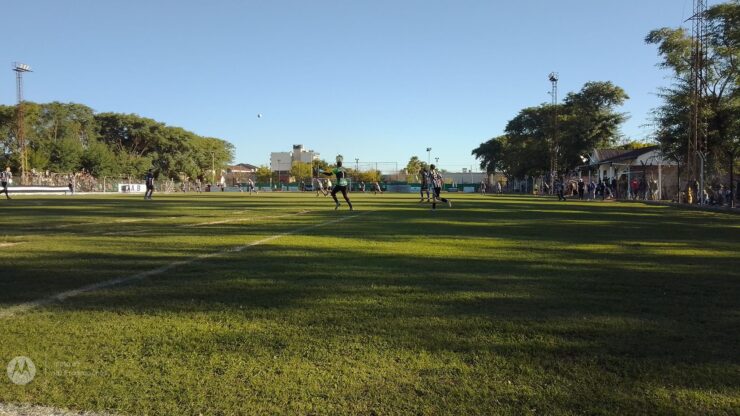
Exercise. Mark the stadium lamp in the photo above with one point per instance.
(19, 67)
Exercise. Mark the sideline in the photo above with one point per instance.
(7, 409)
(61, 297)
(3, 245)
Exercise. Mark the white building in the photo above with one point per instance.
(280, 161)
(302, 155)
(283, 161)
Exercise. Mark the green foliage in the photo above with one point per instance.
(415, 166)
(66, 137)
(369, 176)
(65, 155)
(263, 174)
(320, 164)
(99, 160)
(38, 159)
(301, 171)
(721, 103)
(585, 120)
(490, 154)
(633, 145)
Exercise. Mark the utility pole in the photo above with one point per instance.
(554, 148)
(19, 69)
(697, 135)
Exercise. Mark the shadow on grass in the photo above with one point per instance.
(546, 298)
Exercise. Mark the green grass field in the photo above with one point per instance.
(277, 304)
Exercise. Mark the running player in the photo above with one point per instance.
(341, 185)
(376, 188)
(320, 187)
(5, 177)
(437, 183)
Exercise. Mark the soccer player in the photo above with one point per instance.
(426, 180)
(5, 177)
(437, 183)
(341, 185)
(320, 187)
(250, 185)
(149, 185)
(376, 188)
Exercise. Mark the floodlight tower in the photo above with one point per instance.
(554, 148)
(697, 134)
(19, 69)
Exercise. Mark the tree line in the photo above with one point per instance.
(568, 131)
(69, 137)
(589, 118)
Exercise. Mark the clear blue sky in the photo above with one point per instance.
(378, 80)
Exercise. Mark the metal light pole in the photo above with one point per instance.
(700, 192)
(554, 150)
(19, 69)
(357, 164)
(429, 155)
(436, 160)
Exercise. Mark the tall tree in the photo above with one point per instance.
(490, 155)
(415, 166)
(721, 103)
(586, 119)
(263, 174)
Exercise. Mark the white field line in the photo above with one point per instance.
(30, 410)
(60, 297)
(2, 245)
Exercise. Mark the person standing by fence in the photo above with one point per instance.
(6, 177)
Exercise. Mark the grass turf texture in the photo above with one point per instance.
(500, 305)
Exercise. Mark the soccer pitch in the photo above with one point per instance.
(227, 304)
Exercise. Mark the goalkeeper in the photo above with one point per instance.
(341, 185)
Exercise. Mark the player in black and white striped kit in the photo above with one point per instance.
(437, 184)
(5, 177)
